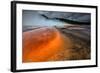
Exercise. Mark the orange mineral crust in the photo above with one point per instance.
(41, 44)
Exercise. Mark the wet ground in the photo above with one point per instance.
(56, 44)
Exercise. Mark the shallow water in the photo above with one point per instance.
(36, 20)
(79, 36)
